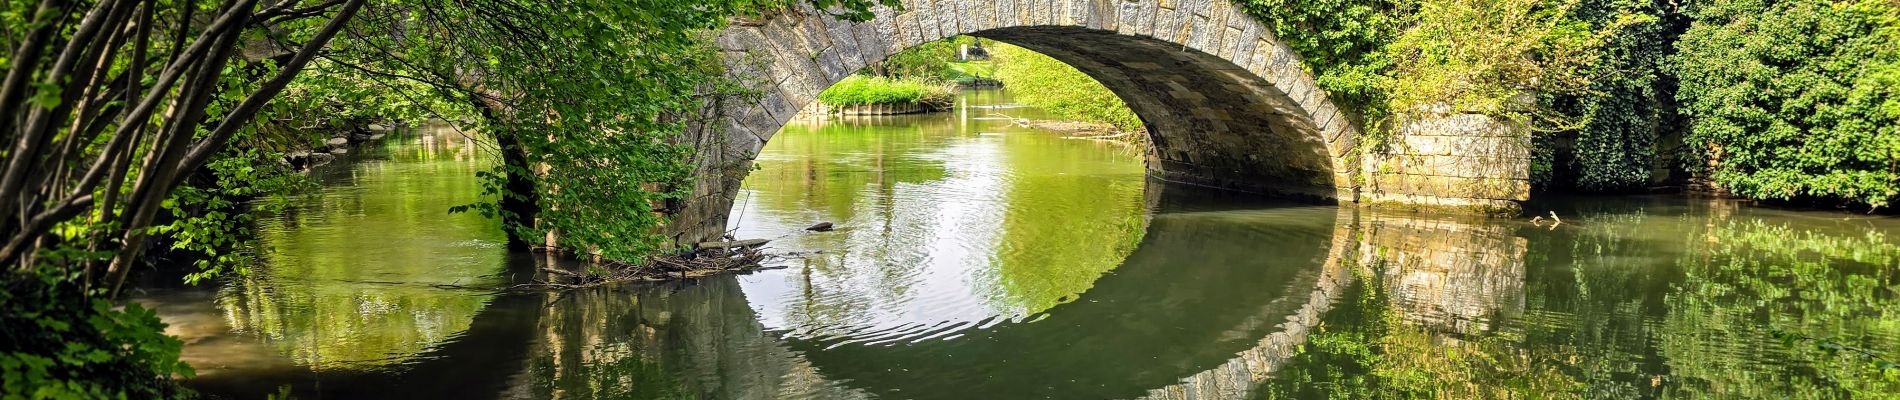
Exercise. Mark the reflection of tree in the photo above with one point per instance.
(696, 341)
(345, 278)
(1069, 217)
(1626, 303)
(1750, 278)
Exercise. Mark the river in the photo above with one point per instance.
(978, 259)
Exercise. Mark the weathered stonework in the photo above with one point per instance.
(1226, 103)
(1460, 162)
(1450, 275)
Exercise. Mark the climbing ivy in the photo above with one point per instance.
(1628, 102)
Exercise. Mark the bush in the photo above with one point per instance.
(925, 61)
(1794, 99)
(1341, 41)
(1039, 80)
(56, 343)
(1480, 56)
(859, 90)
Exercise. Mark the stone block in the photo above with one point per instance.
(1146, 18)
(844, 39)
(1245, 41)
(1168, 24)
(1198, 30)
(946, 19)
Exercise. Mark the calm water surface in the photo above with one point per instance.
(978, 259)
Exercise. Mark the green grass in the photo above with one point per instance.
(1044, 82)
(980, 69)
(858, 90)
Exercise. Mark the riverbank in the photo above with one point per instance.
(338, 143)
(876, 95)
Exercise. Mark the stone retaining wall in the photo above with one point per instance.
(1460, 162)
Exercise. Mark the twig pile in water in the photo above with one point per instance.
(710, 259)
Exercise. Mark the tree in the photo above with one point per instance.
(89, 101)
(1794, 99)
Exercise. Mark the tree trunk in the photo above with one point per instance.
(519, 202)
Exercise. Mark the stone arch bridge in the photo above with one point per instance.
(1225, 103)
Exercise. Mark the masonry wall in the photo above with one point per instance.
(1462, 162)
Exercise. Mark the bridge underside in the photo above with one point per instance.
(1225, 103)
(1211, 122)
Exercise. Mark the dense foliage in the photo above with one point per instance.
(1342, 42)
(1042, 81)
(1629, 104)
(107, 107)
(58, 342)
(1781, 99)
(1486, 56)
(1429, 56)
(1795, 99)
(858, 90)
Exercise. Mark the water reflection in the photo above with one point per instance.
(1630, 298)
(349, 275)
(945, 223)
(979, 261)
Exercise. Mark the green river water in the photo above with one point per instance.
(976, 259)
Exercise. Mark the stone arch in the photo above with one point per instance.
(1226, 103)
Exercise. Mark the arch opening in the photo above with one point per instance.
(1210, 122)
(1226, 105)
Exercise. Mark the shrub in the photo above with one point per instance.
(1342, 42)
(859, 90)
(930, 60)
(57, 343)
(1480, 56)
(1794, 99)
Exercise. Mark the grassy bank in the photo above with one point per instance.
(858, 90)
(1064, 91)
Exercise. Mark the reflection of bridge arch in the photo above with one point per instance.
(1237, 377)
(1156, 327)
(1172, 309)
(474, 364)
